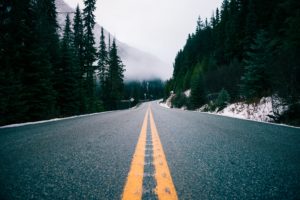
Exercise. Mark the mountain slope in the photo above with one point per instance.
(139, 64)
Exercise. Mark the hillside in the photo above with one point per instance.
(246, 51)
(139, 64)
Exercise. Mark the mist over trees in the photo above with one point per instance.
(249, 48)
(144, 90)
(44, 75)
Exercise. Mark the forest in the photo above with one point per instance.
(49, 71)
(248, 49)
(144, 90)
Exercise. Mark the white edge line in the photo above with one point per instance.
(53, 120)
(284, 125)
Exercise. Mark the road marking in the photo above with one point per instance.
(133, 189)
(165, 188)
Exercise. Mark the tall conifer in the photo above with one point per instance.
(115, 77)
(89, 53)
(69, 90)
(102, 60)
(79, 38)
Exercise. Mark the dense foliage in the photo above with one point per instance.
(144, 90)
(249, 48)
(44, 75)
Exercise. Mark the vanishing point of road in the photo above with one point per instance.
(150, 153)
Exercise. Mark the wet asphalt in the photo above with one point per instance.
(210, 157)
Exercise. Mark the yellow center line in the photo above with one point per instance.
(165, 188)
(133, 189)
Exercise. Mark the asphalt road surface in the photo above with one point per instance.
(208, 157)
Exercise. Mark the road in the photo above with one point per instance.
(185, 155)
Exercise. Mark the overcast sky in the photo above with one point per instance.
(159, 27)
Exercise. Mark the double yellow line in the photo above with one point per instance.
(165, 189)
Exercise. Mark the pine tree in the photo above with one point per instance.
(49, 45)
(206, 23)
(197, 91)
(68, 35)
(225, 11)
(79, 57)
(200, 25)
(102, 60)
(217, 16)
(109, 42)
(213, 23)
(89, 53)
(255, 81)
(222, 100)
(221, 33)
(232, 44)
(37, 60)
(286, 60)
(11, 88)
(251, 24)
(115, 77)
(46, 12)
(79, 38)
(69, 90)
(89, 40)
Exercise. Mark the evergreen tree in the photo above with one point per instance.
(48, 31)
(200, 25)
(79, 38)
(197, 91)
(11, 88)
(232, 44)
(221, 33)
(251, 24)
(217, 16)
(37, 60)
(68, 35)
(222, 100)
(89, 53)
(206, 23)
(213, 22)
(225, 11)
(285, 63)
(89, 40)
(255, 81)
(69, 90)
(79, 57)
(109, 42)
(102, 60)
(115, 77)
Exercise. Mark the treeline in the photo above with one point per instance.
(44, 75)
(247, 50)
(144, 90)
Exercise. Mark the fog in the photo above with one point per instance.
(159, 27)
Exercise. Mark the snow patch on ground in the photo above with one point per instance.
(203, 108)
(163, 104)
(167, 103)
(264, 111)
(187, 93)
